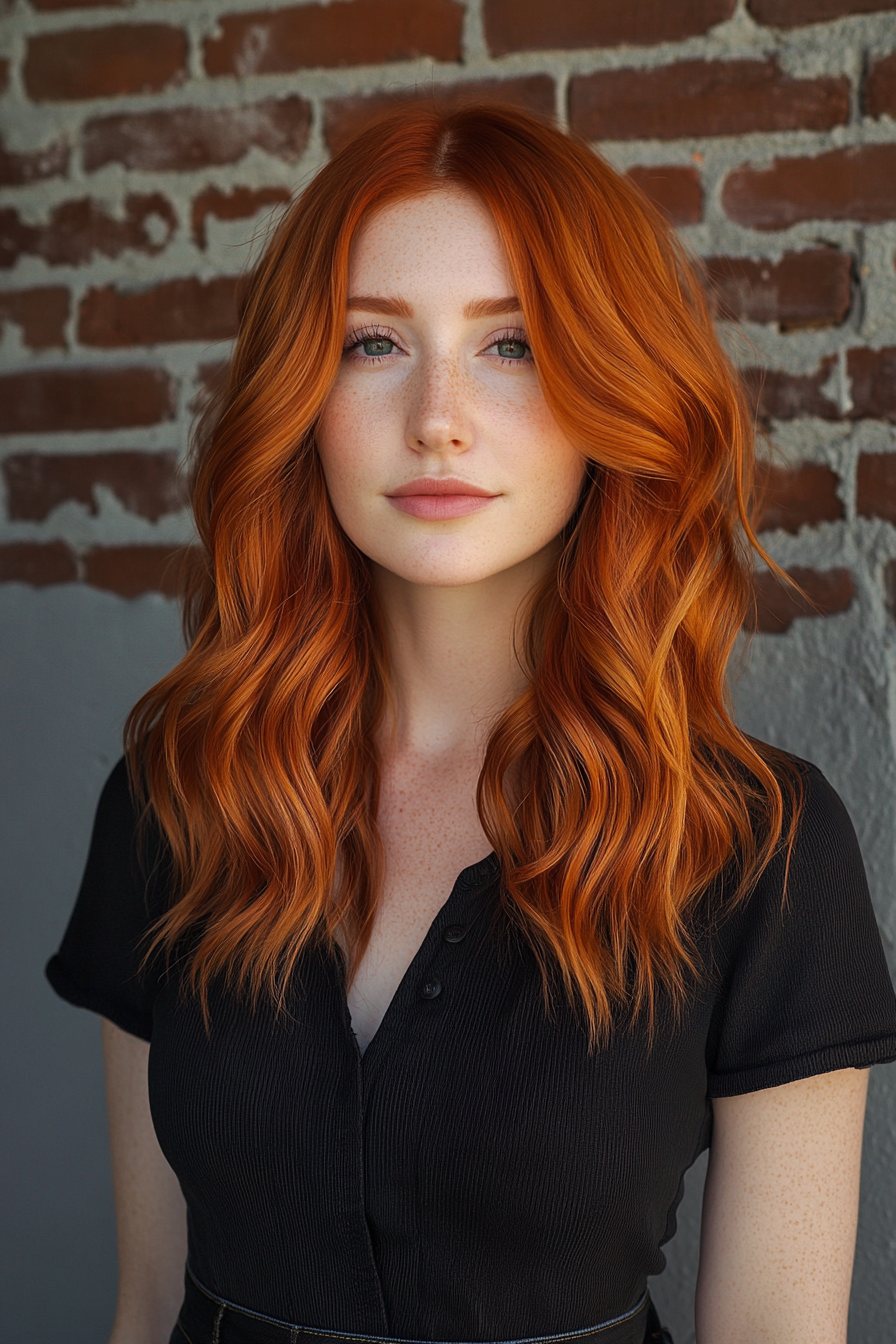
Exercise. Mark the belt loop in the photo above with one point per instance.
(216, 1328)
(294, 1335)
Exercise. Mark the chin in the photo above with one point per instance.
(441, 571)
(441, 576)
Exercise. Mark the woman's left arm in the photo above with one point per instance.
(780, 1211)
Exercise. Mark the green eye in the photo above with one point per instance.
(512, 349)
(377, 345)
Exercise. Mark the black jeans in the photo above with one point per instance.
(208, 1319)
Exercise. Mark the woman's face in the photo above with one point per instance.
(442, 460)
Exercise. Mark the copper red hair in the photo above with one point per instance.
(633, 788)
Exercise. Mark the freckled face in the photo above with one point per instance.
(442, 460)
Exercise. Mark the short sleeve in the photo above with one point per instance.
(805, 987)
(99, 964)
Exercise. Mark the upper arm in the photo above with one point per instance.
(780, 1211)
(149, 1207)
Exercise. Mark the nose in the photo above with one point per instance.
(439, 411)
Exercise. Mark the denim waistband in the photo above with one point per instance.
(206, 1318)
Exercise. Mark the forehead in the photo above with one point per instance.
(446, 238)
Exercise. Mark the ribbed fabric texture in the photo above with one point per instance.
(480, 1174)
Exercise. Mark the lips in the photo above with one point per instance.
(440, 485)
(437, 498)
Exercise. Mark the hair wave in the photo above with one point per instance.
(633, 788)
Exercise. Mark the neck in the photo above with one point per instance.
(453, 665)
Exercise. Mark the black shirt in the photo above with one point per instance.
(480, 1174)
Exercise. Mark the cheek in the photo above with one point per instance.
(556, 471)
(342, 446)
(356, 428)
(543, 455)
(555, 502)
(576, 472)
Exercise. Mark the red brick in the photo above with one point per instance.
(52, 400)
(239, 203)
(857, 183)
(794, 13)
(536, 25)
(789, 498)
(345, 117)
(879, 97)
(872, 376)
(77, 231)
(211, 379)
(789, 396)
(104, 62)
(131, 571)
(183, 139)
(40, 314)
(826, 592)
(803, 289)
(876, 486)
(703, 98)
(345, 32)
(176, 310)
(38, 563)
(17, 170)
(212, 375)
(146, 484)
(677, 191)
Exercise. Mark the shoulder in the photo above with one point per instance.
(822, 843)
(126, 837)
(820, 804)
(817, 864)
(125, 887)
(117, 806)
(817, 841)
(819, 800)
(802, 981)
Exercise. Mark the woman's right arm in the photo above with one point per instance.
(150, 1213)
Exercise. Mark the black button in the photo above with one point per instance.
(454, 933)
(431, 989)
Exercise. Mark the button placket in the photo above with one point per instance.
(431, 987)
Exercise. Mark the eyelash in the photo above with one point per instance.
(512, 334)
(356, 338)
(362, 334)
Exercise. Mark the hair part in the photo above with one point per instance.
(633, 788)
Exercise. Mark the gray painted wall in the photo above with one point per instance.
(74, 660)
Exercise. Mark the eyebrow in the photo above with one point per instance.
(393, 307)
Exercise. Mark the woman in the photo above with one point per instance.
(462, 915)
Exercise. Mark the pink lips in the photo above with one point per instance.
(435, 498)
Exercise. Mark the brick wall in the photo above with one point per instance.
(145, 145)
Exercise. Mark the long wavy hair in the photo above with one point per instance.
(632, 787)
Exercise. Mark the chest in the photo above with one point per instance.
(431, 831)
(477, 1144)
